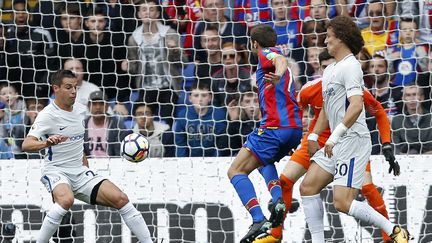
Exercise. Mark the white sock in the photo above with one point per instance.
(51, 223)
(314, 212)
(365, 213)
(135, 222)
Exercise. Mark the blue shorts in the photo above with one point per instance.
(271, 145)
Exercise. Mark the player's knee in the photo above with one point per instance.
(122, 199)
(232, 171)
(306, 189)
(65, 202)
(341, 204)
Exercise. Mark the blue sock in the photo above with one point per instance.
(271, 178)
(246, 192)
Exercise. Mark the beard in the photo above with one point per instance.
(381, 78)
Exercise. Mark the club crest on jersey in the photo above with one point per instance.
(328, 93)
(260, 131)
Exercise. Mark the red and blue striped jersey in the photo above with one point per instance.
(278, 105)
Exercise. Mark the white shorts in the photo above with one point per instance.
(82, 183)
(348, 163)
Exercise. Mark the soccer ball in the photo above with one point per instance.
(135, 147)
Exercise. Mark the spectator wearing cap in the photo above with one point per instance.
(156, 132)
(104, 133)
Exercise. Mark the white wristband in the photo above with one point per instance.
(337, 133)
(313, 137)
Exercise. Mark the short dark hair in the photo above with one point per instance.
(380, 57)
(264, 34)
(71, 8)
(138, 104)
(138, 3)
(58, 76)
(211, 27)
(324, 56)
(19, 1)
(348, 32)
(409, 20)
(96, 10)
(200, 84)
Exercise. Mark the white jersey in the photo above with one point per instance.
(342, 80)
(66, 156)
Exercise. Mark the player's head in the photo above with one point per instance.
(250, 106)
(64, 83)
(20, 12)
(98, 104)
(96, 20)
(262, 36)
(325, 59)
(413, 98)
(343, 32)
(148, 10)
(70, 16)
(75, 65)
(407, 30)
(144, 114)
(200, 95)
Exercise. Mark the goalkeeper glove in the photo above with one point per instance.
(387, 150)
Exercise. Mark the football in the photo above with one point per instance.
(135, 147)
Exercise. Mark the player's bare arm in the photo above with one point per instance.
(352, 113)
(32, 144)
(321, 124)
(281, 65)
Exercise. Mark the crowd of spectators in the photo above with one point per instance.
(180, 71)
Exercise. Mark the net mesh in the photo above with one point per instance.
(147, 57)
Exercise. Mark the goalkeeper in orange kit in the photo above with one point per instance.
(311, 94)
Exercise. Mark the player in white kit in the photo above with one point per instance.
(59, 128)
(345, 155)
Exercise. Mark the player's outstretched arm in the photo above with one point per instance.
(32, 144)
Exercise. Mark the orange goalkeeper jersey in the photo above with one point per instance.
(311, 94)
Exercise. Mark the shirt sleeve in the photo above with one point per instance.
(266, 58)
(41, 127)
(374, 107)
(353, 78)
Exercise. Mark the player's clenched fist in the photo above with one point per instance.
(55, 139)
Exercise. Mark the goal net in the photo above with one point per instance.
(182, 73)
